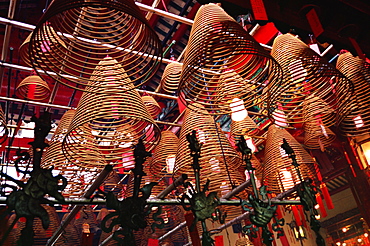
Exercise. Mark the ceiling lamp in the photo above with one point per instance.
(33, 87)
(308, 78)
(279, 174)
(72, 37)
(170, 78)
(217, 159)
(357, 122)
(223, 62)
(107, 125)
(163, 159)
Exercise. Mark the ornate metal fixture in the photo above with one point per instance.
(27, 199)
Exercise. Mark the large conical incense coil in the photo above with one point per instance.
(50, 43)
(171, 78)
(164, 155)
(70, 236)
(107, 125)
(91, 30)
(357, 122)
(279, 173)
(33, 87)
(53, 155)
(317, 135)
(216, 157)
(317, 110)
(152, 105)
(306, 73)
(218, 44)
(79, 178)
(246, 127)
(3, 127)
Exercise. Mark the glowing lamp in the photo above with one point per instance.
(238, 111)
(366, 234)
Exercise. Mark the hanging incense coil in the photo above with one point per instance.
(50, 43)
(170, 78)
(219, 49)
(79, 178)
(317, 135)
(164, 155)
(69, 237)
(357, 122)
(217, 156)
(3, 127)
(34, 88)
(279, 174)
(246, 127)
(107, 125)
(307, 75)
(152, 105)
(72, 37)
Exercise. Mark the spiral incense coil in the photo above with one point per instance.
(107, 125)
(279, 173)
(217, 156)
(79, 178)
(317, 135)
(33, 87)
(152, 105)
(3, 127)
(317, 110)
(164, 154)
(53, 155)
(69, 237)
(307, 75)
(220, 50)
(170, 78)
(246, 127)
(49, 41)
(72, 37)
(357, 122)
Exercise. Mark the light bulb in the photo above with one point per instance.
(238, 111)
(170, 161)
(344, 229)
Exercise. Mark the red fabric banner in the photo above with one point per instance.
(194, 235)
(219, 240)
(259, 11)
(153, 242)
(314, 22)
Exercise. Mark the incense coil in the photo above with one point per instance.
(170, 78)
(219, 46)
(107, 125)
(48, 39)
(69, 237)
(152, 105)
(306, 74)
(246, 127)
(217, 156)
(87, 31)
(317, 135)
(357, 70)
(3, 127)
(79, 178)
(166, 148)
(33, 87)
(279, 173)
